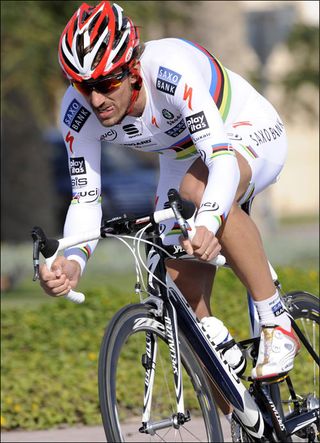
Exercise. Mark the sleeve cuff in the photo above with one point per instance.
(82, 262)
(211, 222)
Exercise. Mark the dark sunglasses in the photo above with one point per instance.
(105, 85)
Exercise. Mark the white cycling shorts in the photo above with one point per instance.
(258, 134)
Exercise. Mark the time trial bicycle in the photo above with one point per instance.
(157, 365)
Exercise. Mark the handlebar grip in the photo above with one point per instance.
(219, 260)
(75, 297)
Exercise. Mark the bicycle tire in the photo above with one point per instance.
(304, 308)
(118, 335)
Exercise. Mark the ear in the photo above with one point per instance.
(134, 72)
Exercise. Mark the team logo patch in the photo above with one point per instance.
(131, 130)
(167, 114)
(77, 166)
(277, 309)
(167, 80)
(76, 115)
(197, 122)
(177, 129)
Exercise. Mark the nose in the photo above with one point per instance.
(96, 99)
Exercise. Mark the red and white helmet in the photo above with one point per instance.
(96, 41)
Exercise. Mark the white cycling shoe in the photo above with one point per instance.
(277, 350)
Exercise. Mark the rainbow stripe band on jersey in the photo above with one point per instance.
(86, 250)
(249, 151)
(176, 230)
(184, 148)
(248, 194)
(222, 149)
(220, 88)
(220, 218)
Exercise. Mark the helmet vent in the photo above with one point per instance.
(71, 66)
(122, 50)
(80, 49)
(99, 55)
(93, 22)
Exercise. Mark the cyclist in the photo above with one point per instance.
(221, 143)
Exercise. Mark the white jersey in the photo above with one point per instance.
(192, 102)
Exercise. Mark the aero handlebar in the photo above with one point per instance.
(49, 247)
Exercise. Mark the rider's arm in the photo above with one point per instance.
(194, 96)
(84, 156)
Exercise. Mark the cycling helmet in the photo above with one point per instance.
(96, 41)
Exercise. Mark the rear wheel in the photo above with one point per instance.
(122, 379)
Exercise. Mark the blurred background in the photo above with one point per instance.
(273, 44)
(50, 346)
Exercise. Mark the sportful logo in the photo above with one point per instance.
(167, 80)
(176, 130)
(197, 122)
(131, 130)
(76, 115)
(146, 142)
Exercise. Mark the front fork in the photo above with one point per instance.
(149, 360)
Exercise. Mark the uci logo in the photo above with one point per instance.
(109, 136)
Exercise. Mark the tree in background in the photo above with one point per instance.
(32, 85)
(303, 44)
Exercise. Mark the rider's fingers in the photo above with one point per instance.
(210, 253)
(56, 288)
(46, 274)
(186, 244)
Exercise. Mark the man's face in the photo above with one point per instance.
(110, 106)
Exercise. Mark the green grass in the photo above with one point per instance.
(50, 346)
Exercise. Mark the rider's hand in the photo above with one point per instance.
(204, 244)
(63, 276)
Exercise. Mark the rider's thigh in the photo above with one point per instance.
(194, 182)
(259, 136)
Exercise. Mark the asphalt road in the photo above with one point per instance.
(91, 434)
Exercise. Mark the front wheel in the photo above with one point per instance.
(122, 381)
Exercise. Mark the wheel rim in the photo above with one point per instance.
(127, 394)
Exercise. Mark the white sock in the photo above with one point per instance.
(228, 417)
(272, 311)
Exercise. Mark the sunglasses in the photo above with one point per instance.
(105, 85)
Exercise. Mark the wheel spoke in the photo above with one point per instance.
(122, 379)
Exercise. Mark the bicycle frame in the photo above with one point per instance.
(170, 301)
(230, 385)
(254, 410)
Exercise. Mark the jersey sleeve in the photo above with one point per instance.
(203, 96)
(77, 124)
